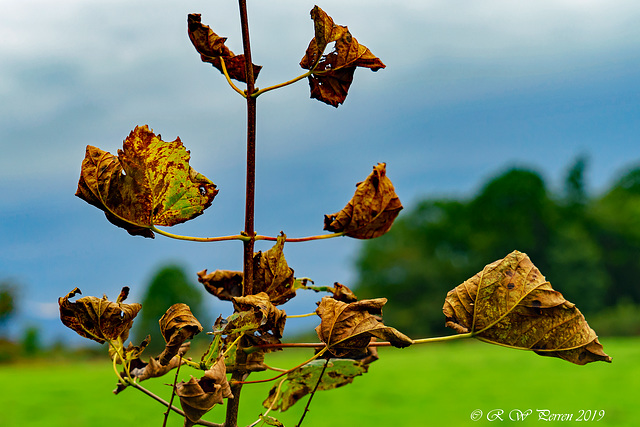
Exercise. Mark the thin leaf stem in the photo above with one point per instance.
(315, 356)
(173, 394)
(306, 408)
(198, 239)
(371, 344)
(302, 239)
(173, 408)
(298, 316)
(443, 339)
(226, 74)
(287, 83)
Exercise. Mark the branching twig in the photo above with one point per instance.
(173, 393)
(306, 408)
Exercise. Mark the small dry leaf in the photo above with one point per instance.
(511, 304)
(262, 315)
(177, 325)
(197, 397)
(224, 284)
(347, 329)
(149, 183)
(343, 293)
(332, 74)
(98, 318)
(272, 275)
(372, 209)
(303, 380)
(211, 48)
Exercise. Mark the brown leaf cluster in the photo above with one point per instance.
(98, 318)
(198, 396)
(332, 73)
(511, 304)
(372, 209)
(211, 48)
(149, 183)
(177, 325)
(347, 328)
(262, 316)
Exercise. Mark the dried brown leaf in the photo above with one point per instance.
(224, 284)
(510, 303)
(268, 320)
(347, 329)
(198, 396)
(177, 325)
(332, 73)
(272, 275)
(149, 183)
(211, 48)
(98, 318)
(372, 209)
(343, 293)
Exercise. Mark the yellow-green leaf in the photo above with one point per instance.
(510, 303)
(149, 183)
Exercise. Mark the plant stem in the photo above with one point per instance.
(302, 239)
(173, 408)
(173, 394)
(198, 239)
(306, 408)
(226, 74)
(287, 83)
(371, 344)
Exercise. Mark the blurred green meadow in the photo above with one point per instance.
(430, 385)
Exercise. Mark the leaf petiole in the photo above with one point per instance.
(226, 75)
(198, 239)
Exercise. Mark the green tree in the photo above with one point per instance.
(168, 285)
(8, 296)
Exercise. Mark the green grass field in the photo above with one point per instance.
(429, 385)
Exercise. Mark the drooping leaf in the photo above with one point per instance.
(332, 73)
(347, 329)
(149, 183)
(510, 303)
(198, 396)
(343, 293)
(98, 318)
(177, 325)
(211, 48)
(272, 275)
(224, 284)
(302, 381)
(372, 209)
(270, 421)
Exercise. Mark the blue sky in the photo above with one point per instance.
(470, 88)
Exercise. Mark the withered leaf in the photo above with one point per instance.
(332, 73)
(177, 325)
(224, 284)
(347, 329)
(197, 397)
(98, 318)
(149, 183)
(302, 381)
(343, 293)
(272, 275)
(211, 48)
(261, 315)
(372, 209)
(510, 303)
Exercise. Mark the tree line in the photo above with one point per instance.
(588, 247)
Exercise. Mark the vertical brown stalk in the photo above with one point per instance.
(240, 373)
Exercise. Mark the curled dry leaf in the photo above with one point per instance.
(149, 183)
(197, 397)
(302, 381)
(511, 304)
(98, 318)
(332, 73)
(177, 325)
(261, 316)
(347, 329)
(343, 293)
(211, 48)
(372, 209)
(224, 284)
(272, 275)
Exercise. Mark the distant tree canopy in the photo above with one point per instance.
(8, 295)
(168, 286)
(588, 248)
